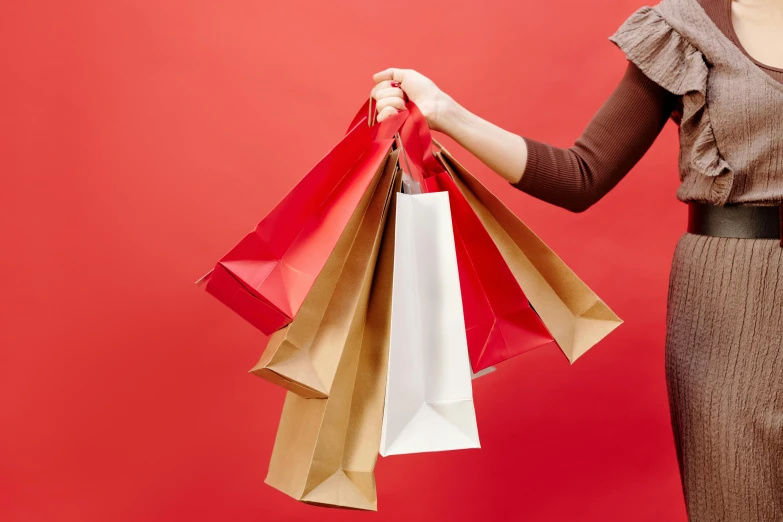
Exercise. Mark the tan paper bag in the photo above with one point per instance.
(326, 449)
(575, 316)
(302, 357)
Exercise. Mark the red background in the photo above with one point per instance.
(141, 139)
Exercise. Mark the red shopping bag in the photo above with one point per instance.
(267, 275)
(499, 321)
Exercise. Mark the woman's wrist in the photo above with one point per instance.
(502, 151)
(449, 116)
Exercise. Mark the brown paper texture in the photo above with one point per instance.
(575, 316)
(326, 449)
(302, 357)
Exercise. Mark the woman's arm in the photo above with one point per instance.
(616, 138)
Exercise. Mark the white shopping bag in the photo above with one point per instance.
(429, 398)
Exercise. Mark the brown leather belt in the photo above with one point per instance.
(740, 221)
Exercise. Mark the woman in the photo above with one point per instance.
(716, 68)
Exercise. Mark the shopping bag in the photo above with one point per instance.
(303, 357)
(429, 399)
(573, 313)
(267, 275)
(326, 449)
(499, 319)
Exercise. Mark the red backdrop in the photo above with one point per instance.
(141, 139)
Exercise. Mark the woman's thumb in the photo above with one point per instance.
(393, 74)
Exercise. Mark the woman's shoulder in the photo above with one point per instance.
(674, 43)
(660, 42)
(697, 12)
(674, 30)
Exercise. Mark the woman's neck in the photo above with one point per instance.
(758, 25)
(761, 7)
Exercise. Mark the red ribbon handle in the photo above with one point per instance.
(417, 143)
(381, 131)
(417, 153)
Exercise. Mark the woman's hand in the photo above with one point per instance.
(392, 85)
(502, 151)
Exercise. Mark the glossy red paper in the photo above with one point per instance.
(499, 321)
(267, 275)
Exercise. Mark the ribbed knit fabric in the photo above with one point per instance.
(617, 136)
(724, 370)
(724, 340)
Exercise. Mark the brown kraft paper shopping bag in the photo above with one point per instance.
(326, 449)
(575, 316)
(302, 357)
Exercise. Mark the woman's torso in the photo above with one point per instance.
(684, 63)
(731, 119)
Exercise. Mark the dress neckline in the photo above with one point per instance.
(736, 41)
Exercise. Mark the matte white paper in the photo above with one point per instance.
(429, 396)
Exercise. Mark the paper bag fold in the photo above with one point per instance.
(303, 356)
(575, 316)
(326, 449)
(429, 396)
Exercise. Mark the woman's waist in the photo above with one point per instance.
(752, 220)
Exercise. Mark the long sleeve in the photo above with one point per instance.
(616, 138)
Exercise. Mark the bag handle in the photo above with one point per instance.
(384, 130)
(413, 135)
(367, 112)
(416, 138)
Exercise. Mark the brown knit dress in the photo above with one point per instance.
(724, 345)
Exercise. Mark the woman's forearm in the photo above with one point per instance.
(576, 177)
(502, 151)
(573, 178)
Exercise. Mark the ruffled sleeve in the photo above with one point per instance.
(672, 62)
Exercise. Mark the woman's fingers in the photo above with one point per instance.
(386, 112)
(390, 101)
(389, 92)
(386, 88)
(385, 84)
(380, 86)
(389, 97)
